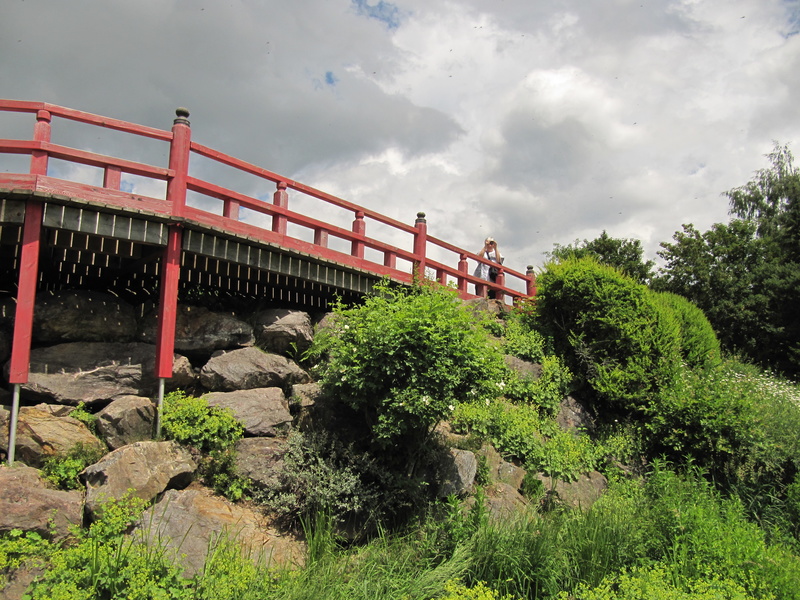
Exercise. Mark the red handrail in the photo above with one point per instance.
(179, 182)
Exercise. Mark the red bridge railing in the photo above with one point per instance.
(394, 250)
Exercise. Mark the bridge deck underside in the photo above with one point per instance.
(88, 248)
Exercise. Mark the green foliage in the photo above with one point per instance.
(406, 358)
(458, 591)
(611, 330)
(21, 548)
(62, 470)
(699, 344)
(89, 419)
(654, 582)
(219, 473)
(623, 254)
(521, 431)
(745, 275)
(546, 391)
(522, 341)
(192, 422)
(705, 416)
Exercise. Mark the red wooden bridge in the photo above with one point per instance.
(301, 247)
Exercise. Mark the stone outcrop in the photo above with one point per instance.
(523, 368)
(261, 460)
(198, 331)
(72, 316)
(283, 331)
(41, 434)
(581, 493)
(457, 473)
(27, 504)
(146, 468)
(126, 420)
(96, 372)
(250, 368)
(262, 411)
(191, 521)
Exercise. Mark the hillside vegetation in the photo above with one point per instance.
(701, 452)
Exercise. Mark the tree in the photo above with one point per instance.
(623, 254)
(746, 274)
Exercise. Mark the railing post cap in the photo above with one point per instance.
(182, 115)
(421, 217)
(530, 267)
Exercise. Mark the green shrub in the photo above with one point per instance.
(192, 422)
(546, 391)
(19, 549)
(610, 329)
(406, 358)
(454, 590)
(523, 342)
(62, 469)
(699, 344)
(84, 416)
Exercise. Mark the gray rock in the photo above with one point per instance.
(27, 504)
(581, 493)
(306, 394)
(504, 501)
(200, 331)
(261, 460)
(41, 434)
(96, 372)
(147, 468)
(82, 316)
(189, 523)
(523, 368)
(457, 473)
(283, 331)
(126, 420)
(250, 368)
(572, 415)
(260, 410)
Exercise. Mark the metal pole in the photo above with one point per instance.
(12, 432)
(159, 406)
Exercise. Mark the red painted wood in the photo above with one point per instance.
(420, 245)
(168, 303)
(359, 228)
(112, 178)
(280, 198)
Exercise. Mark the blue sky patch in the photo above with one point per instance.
(386, 12)
(792, 17)
(330, 78)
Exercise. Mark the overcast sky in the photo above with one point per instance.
(535, 121)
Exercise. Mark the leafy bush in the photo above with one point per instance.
(84, 416)
(610, 329)
(546, 391)
(457, 591)
(19, 549)
(521, 341)
(62, 469)
(699, 344)
(406, 358)
(192, 422)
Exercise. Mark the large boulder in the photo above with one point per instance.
(96, 372)
(250, 368)
(260, 459)
(283, 331)
(41, 434)
(457, 472)
(198, 331)
(573, 416)
(27, 504)
(82, 316)
(262, 411)
(191, 521)
(126, 420)
(581, 493)
(524, 368)
(146, 468)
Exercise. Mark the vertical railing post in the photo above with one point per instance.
(500, 281)
(280, 198)
(531, 284)
(28, 277)
(112, 178)
(171, 259)
(359, 227)
(463, 269)
(420, 246)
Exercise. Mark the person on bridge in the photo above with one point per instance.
(487, 272)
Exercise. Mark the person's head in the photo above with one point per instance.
(490, 242)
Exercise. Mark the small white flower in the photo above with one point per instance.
(426, 401)
(501, 384)
(346, 327)
(451, 407)
(488, 402)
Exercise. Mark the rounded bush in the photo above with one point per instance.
(624, 343)
(699, 343)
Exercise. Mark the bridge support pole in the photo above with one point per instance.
(531, 285)
(26, 283)
(171, 261)
(420, 245)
